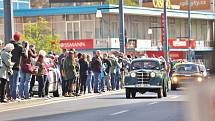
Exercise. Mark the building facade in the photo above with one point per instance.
(80, 23)
(18, 4)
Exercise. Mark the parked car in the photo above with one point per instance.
(185, 73)
(54, 83)
(146, 75)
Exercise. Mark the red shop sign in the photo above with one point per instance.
(181, 43)
(172, 54)
(77, 44)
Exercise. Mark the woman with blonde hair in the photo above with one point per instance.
(6, 69)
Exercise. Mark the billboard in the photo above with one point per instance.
(195, 4)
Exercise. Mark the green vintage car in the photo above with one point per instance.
(146, 75)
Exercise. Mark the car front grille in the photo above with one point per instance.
(143, 77)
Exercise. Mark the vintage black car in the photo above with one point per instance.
(146, 75)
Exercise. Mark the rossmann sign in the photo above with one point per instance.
(83, 44)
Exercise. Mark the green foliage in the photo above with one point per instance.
(126, 2)
(39, 34)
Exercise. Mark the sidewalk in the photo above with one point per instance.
(45, 101)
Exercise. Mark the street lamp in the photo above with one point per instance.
(165, 44)
(8, 20)
(121, 23)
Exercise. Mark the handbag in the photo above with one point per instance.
(27, 66)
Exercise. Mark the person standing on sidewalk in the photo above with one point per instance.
(27, 69)
(5, 70)
(41, 75)
(97, 69)
(84, 66)
(17, 53)
(89, 75)
(69, 73)
(107, 62)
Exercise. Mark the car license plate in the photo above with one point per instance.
(187, 75)
(142, 85)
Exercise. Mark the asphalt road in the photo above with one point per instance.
(106, 108)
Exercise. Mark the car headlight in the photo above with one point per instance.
(133, 74)
(199, 79)
(175, 79)
(152, 74)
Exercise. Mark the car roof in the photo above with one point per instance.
(149, 59)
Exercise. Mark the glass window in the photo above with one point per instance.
(58, 18)
(87, 16)
(59, 28)
(72, 17)
(87, 29)
(149, 64)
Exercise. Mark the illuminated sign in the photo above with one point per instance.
(160, 3)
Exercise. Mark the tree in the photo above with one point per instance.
(126, 2)
(41, 36)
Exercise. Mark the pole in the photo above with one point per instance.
(8, 21)
(189, 32)
(122, 27)
(165, 44)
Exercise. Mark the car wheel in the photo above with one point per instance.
(160, 93)
(128, 93)
(133, 94)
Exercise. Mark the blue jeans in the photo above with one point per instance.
(113, 81)
(14, 84)
(24, 85)
(117, 77)
(97, 80)
(102, 84)
(88, 82)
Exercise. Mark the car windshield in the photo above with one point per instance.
(187, 68)
(152, 65)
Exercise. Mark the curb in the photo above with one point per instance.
(43, 101)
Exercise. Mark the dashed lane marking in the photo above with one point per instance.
(152, 103)
(120, 112)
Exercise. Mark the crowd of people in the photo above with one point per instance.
(79, 73)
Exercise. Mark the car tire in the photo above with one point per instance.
(128, 93)
(133, 94)
(160, 93)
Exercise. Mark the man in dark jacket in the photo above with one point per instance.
(84, 66)
(17, 53)
(97, 69)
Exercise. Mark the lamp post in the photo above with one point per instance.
(165, 44)
(8, 20)
(189, 32)
(122, 27)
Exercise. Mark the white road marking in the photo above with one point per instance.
(173, 97)
(152, 103)
(120, 112)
